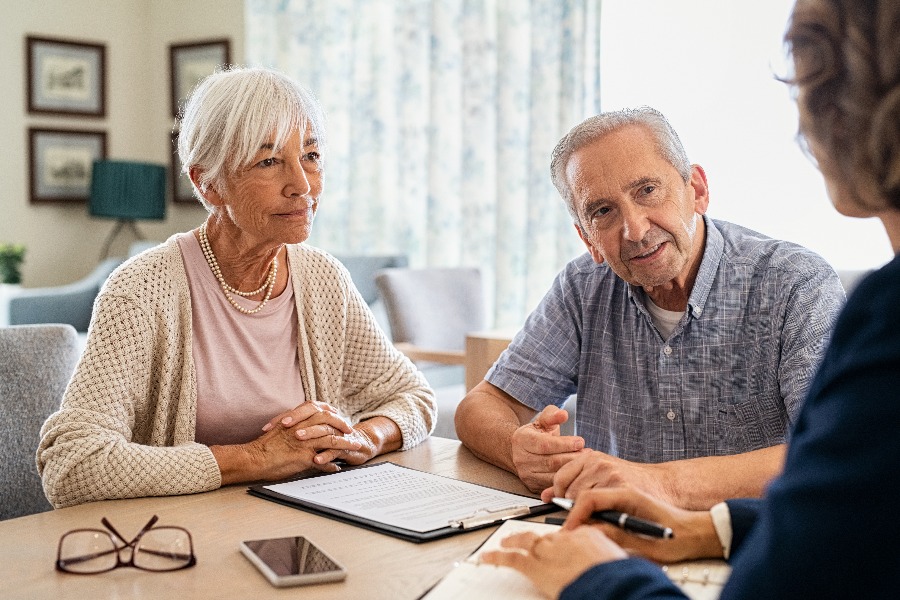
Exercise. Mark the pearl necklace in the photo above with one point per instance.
(268, 285)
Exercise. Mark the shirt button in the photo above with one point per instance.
(670, 415)
(667, 350)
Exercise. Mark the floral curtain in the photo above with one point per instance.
(440, 119)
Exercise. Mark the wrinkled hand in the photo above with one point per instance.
(311, 420)
(555, 560)
(694, 534)
(296, 440)
(592, 469)
(538, 450)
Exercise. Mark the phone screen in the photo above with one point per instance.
(292, 556)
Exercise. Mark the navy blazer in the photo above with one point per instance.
(829, 526)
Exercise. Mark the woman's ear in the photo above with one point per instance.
(208, 192)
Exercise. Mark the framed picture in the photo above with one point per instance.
(191, 63)
(182, 190)
(61, 161)
(66, 77)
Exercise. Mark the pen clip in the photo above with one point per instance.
(483, 516)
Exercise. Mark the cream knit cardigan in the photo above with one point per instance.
(127, 421)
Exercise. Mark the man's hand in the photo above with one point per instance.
(592, 469)
(539, 451)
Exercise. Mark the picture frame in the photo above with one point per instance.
(182, 190)
(65, 77)
(192, 62)
(60, 162)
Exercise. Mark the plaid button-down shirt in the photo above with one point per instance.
(729, 379)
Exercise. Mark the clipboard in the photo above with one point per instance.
(303, 497)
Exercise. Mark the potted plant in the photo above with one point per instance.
(11, 257)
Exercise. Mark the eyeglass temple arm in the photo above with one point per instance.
(143, 530)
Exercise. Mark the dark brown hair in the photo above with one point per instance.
(847, 76)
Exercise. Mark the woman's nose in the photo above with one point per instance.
(299, 183)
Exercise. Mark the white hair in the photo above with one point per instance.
(667, 142)
(235, 111)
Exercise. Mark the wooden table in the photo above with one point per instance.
(378, 566)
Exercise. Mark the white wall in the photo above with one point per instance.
(710, 66)
(63, 242)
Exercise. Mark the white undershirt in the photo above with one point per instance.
(247, 366)
(665, 320)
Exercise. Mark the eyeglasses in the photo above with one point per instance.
(87, 551)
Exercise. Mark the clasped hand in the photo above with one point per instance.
(312, 435)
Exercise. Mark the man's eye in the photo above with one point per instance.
(648, 189)
(601, 211)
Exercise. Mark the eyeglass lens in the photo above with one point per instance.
(93, 551)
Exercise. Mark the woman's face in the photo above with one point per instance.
(275, 198)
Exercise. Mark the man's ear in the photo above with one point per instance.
(701, 189)
(595, 254)
(208, 192)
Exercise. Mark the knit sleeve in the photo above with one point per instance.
(355, 366)
(126, 424)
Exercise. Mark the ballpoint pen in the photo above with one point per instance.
(623, 520)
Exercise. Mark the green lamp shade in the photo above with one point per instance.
(128, 190)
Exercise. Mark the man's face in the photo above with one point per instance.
(636, 212)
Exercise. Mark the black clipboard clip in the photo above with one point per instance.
(485, 516)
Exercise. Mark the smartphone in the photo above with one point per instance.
(292, 561)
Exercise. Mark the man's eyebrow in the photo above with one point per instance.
(640, 181)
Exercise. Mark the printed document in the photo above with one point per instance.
(402, 497)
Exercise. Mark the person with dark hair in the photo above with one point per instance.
(826, 527)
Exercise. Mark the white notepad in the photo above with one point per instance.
(699, 580)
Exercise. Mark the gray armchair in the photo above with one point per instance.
(362, 271)
(430, 311)
(71, 303)
(36, 362)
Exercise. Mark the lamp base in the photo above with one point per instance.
(130, 224)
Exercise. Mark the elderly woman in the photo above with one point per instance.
(827, 527)
(233, 352)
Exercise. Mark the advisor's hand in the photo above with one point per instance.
(694, 534)
(555, 560)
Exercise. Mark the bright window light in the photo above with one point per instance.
(710, 67)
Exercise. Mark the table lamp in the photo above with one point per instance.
(127, 191)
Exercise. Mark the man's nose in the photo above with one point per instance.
(635, 224)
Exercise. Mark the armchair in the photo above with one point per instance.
(36, 362)
(362, 271)
(71, 303)
(430, 311)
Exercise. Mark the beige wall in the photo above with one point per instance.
(63, 242)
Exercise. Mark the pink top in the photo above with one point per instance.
(247, 366)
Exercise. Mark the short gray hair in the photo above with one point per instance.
(667, 142)
(233, 112)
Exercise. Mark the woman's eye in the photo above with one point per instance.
(314, 156)
(267, 162)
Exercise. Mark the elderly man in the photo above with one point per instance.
(689, 341)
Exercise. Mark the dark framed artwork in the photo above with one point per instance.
(60, 163)
(192, 62)
(65, 77)
(182, 190)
